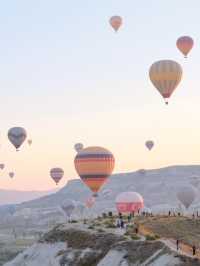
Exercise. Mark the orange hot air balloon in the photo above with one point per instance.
(165, 76)
(185, 44)
(116, 22)
(94, 165)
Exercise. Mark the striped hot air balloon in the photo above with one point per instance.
(56, 174)
(165, 76)
(94, 165)
(185, 44)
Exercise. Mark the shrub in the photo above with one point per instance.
(135, 237)
(150, 237)
(74, 221)
(91, 227)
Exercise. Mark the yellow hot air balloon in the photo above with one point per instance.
(94, 165)
(165, 76)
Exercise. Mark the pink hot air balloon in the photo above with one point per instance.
(90, 202)
(127, 202)
(149, 144)
(57, 174)
(116, 22)
(185, 44)
(2, 166)
(11, 174)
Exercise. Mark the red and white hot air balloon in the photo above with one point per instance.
(90, 202)
(116, 22)
(185, 44)
(56, 174)
(127, 202)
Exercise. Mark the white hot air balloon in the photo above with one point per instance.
(78, 147)
(17, 135)
(186, 195)
(68, 206)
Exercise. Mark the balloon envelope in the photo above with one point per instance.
(90, 202)
(30, 141)
(68, 206)
(186, 195)
(149, 144)
(2, 166)
(11, 174)
(116, 22)
(185, 44)
(56, 174)
(94, 165)
(17, 136)
(165, 76)
(127, 202)
(78, 147)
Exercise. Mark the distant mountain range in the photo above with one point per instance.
(157, 186)
(15, 197)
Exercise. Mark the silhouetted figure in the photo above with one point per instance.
(197, 214)
(179, 214)
(136, 230)
(133, 214)
(193, 216)
(120, 215)
(193, 250)
(122, 224)
(129, 218)
(139, 211)
(169, 213)
(177, 244)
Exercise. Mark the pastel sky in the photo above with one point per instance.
(66, 77)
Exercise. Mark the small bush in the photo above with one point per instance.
(74, 221)
(100, 230)
(135, 237)
(150, 237)
(91, 227)
(110, 225)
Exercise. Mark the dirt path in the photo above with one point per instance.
(184, 249)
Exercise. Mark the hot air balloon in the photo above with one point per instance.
(142, 171)
(17, 136)
(68, 206)
(185, 44)
(186, 195)
(78, 147)
(149, 144)
(57, 174)
(30, 142)
(2, 166)
(90, 202)
(106, 193)
(80, 207)
(11, 174)
(94, 165)
(116, 22)
(127, 202)
(165, 76)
